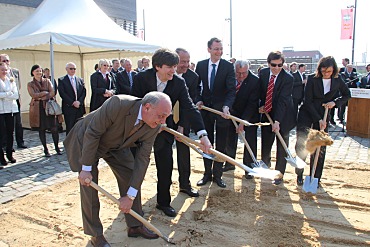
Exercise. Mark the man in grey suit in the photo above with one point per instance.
(109, 132)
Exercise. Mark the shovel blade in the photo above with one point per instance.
(310, 185)
(260, 164)
(296, 162)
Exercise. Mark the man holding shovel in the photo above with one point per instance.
(321, 89)
(109, 132)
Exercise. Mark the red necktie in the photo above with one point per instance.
(238, 86)
(270, 89)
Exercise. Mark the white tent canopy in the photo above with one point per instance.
(76, 26)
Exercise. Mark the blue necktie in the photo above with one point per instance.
(213, 75)
(130, 78)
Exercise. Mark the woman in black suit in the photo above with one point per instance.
(320, 91)
(103, 85)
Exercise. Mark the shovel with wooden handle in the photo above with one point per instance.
(132, 212)
(204, 155)
(245, 122)
(310, 183)
(257, 171)
(256, 162)
(295, 162)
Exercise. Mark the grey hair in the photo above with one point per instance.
(70, 63)
(154, 98)
(242, 63)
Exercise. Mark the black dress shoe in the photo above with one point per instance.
(190, 191)
(21, 146)
(228, 167)
(247, 176)
(169, 211)
(3, 162)
(204, 180)
(299, 180)
(59, 152)
(219, 182)
(11, 159)
(47, 154)
(277, 181)
(141, 231)
(99, 241)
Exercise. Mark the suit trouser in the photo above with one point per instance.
(90, 204)
(267, 139)
(183, 161)
(304, 123)
(250, 136)
(7, 127)
(18, 126)
(70, 118)
(222, 130)
(164, 163)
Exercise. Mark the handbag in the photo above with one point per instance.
(53, 108)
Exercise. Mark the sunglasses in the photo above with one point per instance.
(274, 65)
(5, 61)
(72, 68)
(105, 65)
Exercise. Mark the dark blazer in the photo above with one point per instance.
(146, 81)
(282, 101)
(247, 99)
(123, 82)
(105, 133)
(98, 87)
(315, 97)
(365, 83)
(298, 86)
(224, 85)
(191, 80)
(350, 79)
(67, 94)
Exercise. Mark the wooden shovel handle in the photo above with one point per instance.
(246, 123)
(278, 133)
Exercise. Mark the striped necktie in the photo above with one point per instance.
(270, 89)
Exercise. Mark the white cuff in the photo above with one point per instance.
(86, 168)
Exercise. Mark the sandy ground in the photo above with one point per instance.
(246, 213)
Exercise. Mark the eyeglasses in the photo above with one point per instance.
(5, 61)
(274, 65)
(72, 68)
(105, 65)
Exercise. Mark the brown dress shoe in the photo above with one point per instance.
(141, 231)
(99, 241)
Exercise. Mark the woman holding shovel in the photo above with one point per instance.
(319, 94)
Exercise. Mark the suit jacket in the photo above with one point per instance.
(191, 80)
(247, 99)
(282, 101)
(297, 86)
(105, 133)
(13, 72)
(350, 79)
(98, 87)
(314, 96)
(123, 82)
(146, 81)
(67, 94)
(365, 83)
(224, 85)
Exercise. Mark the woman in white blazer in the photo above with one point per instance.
(8, 106)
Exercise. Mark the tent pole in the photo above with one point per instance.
(52, 61)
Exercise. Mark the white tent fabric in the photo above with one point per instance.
(76, 26)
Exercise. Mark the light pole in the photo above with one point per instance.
(354, 30)
(231, 30)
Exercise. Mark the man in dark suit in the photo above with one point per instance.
(298, 87)
(162, 78)
(276, 99)
(125, 78)
(73, 92)
(13, 72)
(115, 66)
(103, 85)
(120, 123)
(217, 78)
(183, 152)
(350, 77)
(245, 107)
(345, 62)
(365, 80)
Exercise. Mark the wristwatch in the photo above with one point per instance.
(131, 197)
